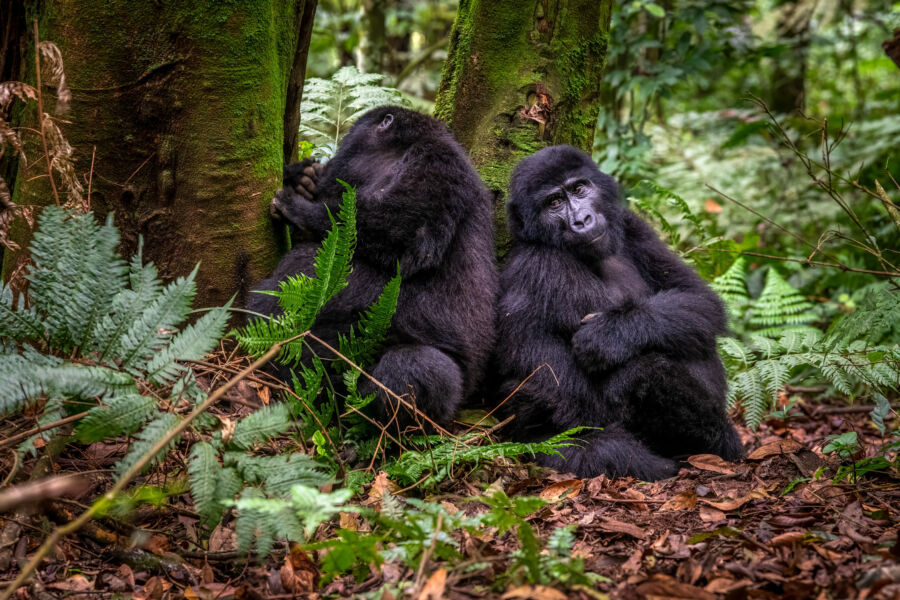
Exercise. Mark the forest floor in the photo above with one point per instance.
(773, 526)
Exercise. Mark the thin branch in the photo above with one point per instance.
(10, 441)
(807, 261)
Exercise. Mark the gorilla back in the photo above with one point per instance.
(421, 205)
(626, 328)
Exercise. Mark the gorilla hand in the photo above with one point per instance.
(595, 349)
(306, 216)
(305, 178)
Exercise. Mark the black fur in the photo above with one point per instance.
(421, 204)
(626, 330)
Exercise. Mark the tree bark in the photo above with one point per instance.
(521, 76)
(191, 108)
(789, 73)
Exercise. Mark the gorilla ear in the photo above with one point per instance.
(516, 224)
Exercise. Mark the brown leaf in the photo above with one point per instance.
(209, 591)
(711, 462)
(534, 592)
(381, 485)
(723, 585)
(785, 446)
(434, 587)
(788, 538)
(613, 526)
(562, 490)
(663, 586)
(708, 514)
(298, 573)
(728, 504)
(686, 500)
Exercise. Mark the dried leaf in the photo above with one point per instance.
(298, 573)
(613, 526)
(733, 504)
(711, 462)
(708, 514)
(562, 490)
(434, 587)
(381, 485)
(785, 446)
(663, 586)
(533, 592)
(686, 500)
(788, 538)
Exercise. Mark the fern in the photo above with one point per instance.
(146, 439)
(329, 107)
(445, 454)
(261, 426)
(758, 370)
(204, 472)
(301, 297)
(780, 307)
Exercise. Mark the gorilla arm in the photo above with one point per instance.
(681, 314)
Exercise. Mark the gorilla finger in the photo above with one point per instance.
(589, 317)
(311, 171)
(275, 209)
(309, 184)
(318, 167)
(302, 191)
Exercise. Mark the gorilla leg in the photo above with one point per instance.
(675, 407)
(613, 451)
(433, 378)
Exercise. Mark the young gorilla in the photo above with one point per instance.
(627, 328)
(421, 205)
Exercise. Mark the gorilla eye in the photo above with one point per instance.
(580, 188)
(554, 200)
(386, 122)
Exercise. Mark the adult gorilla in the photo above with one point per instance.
(421, 205)
(627, 330)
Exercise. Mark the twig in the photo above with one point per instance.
(513, 393)
(428, 551)
(27, 434)
(807, 261)
(40, 101)
(91, 174)
(73, 526)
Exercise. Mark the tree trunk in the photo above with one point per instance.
(191, 109)
(789, 74)
(521, 76)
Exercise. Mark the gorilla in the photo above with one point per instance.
(420, 205)
(616, 331)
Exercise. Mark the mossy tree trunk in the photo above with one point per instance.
(191, 109)
(522, 75)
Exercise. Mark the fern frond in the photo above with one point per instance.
(261, 425)
(76, 273)
(780, 306)
(146, 439)
(119, 415)
(373, 326)
(18, 321)
(204, 473)
(191, 344)
(156, 323)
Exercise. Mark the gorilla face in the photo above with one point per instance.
(559, 198)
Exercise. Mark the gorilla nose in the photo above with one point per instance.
(583, 222)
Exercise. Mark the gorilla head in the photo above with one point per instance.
(559, 198)
(383, 140)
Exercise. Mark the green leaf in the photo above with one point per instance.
(204, 472)
(261, 426)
